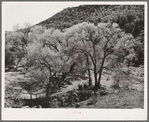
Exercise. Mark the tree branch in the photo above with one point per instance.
(108, 40)
(60, 42)
(53, 46)
(89, 55)
(43, 64)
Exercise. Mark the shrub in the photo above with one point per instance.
(129, 27)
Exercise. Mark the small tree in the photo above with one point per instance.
(14, 48)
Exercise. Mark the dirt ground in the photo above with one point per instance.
(115, 98)
(124, 100)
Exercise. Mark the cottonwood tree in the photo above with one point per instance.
(102, 44)
(49, 52)
(16, 43)
(14, 51)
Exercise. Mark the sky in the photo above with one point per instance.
(19, 13)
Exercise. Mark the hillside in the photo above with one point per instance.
(90, 13)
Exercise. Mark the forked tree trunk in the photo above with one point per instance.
(100, 73)
(95, 67)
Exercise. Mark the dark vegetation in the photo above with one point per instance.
(72, 45)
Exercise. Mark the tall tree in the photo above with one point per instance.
(49, 52)
(101, 43)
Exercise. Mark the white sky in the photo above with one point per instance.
(31, 12)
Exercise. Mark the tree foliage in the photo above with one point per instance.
(15, 48)
(130, 18)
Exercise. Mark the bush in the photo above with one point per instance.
(9, 59)
(129, 27)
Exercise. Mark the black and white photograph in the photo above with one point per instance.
(74, 60)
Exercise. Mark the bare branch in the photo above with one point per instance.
(108, 40)
(53, 46)
(43, 63)
(60, 42)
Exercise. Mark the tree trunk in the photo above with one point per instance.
(63, 76)
(89, 73)
(95, 67)
(90, 80)
(88, 69)
(95, 76)
(100, 73)
(72, 67)
(99, 79)
(48, 89)
(47, 93)
(31, 96)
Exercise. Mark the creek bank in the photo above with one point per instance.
(68, 99)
